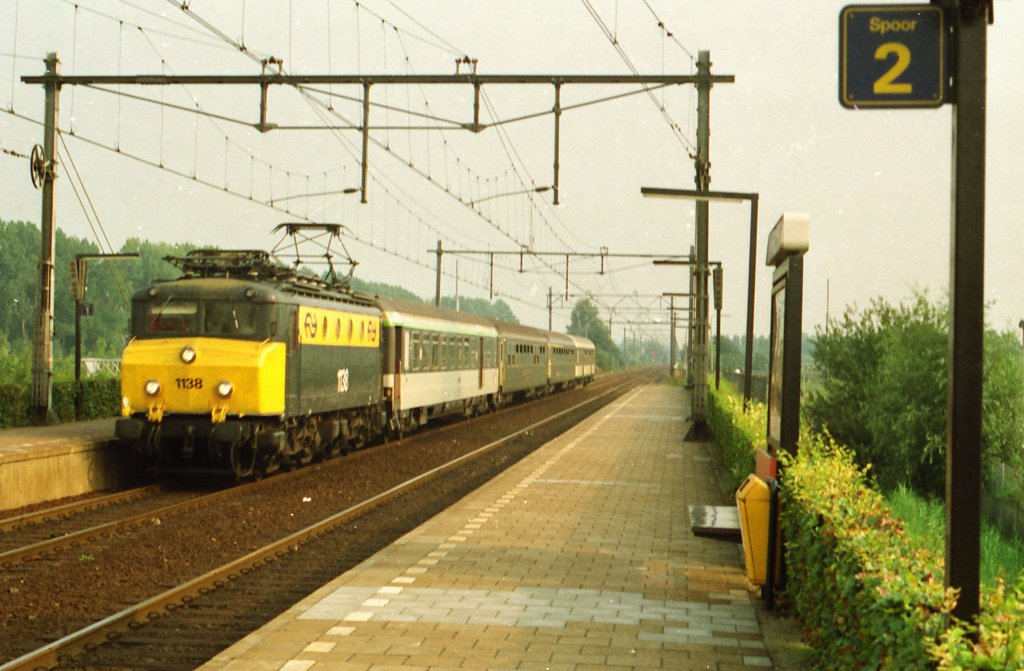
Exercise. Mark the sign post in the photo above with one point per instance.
(923, 56)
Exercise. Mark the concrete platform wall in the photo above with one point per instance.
(46, 463)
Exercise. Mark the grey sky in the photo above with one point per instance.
(876, 183)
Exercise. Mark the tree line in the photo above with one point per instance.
(110, 285)
(883, 384)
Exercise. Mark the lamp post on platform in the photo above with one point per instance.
(729, 196)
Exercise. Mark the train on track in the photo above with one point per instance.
(243, 365)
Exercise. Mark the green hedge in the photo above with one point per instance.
(101, 397)
(737, 433)
(866, 596)
(868, 599)
(997, 640)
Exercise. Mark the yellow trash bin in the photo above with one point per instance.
(753, 500)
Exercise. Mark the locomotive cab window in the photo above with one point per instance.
(225, 318)
(172, 318)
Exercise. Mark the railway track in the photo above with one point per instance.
(41, 534)
(65, 527)
(188, 623)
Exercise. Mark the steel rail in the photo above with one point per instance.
(151, 608)
(72, 539)
(37, 516)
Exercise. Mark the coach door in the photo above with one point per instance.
(501, 363)
(292, 378)
(399, 362)
(480, 360)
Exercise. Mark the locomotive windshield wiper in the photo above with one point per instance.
(160, 311)
(155, 316)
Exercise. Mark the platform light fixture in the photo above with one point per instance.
(729, 197)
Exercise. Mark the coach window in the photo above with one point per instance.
(411, 363)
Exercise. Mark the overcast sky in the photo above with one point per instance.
(875, 183)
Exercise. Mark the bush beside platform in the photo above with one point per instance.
(866, 595)
(101, 397)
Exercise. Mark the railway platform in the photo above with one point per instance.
(43, 463)
(579, 557)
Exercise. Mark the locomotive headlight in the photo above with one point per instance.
(188, 355)
(152, 387)
(224, 389)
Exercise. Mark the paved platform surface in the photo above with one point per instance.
(579, 557)
(19, 442)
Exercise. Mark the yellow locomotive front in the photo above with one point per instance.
(203, 378)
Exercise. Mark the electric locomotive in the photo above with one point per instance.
(242, 365)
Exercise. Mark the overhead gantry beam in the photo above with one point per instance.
(267, 79)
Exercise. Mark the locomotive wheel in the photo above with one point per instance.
(151, 446)
(243, 456)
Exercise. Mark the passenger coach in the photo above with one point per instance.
(436, 361)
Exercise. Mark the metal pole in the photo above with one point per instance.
(79, 278)
(551, 302)
(672, 337)
(967, 303)
(366, 146)
(718, 346)
(558, 118)
(702, 179)
(42, 346)
(79, 304)
(748, 359)
(437, 286)
(566, 277)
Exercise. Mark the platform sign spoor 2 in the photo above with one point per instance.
(893, 56)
